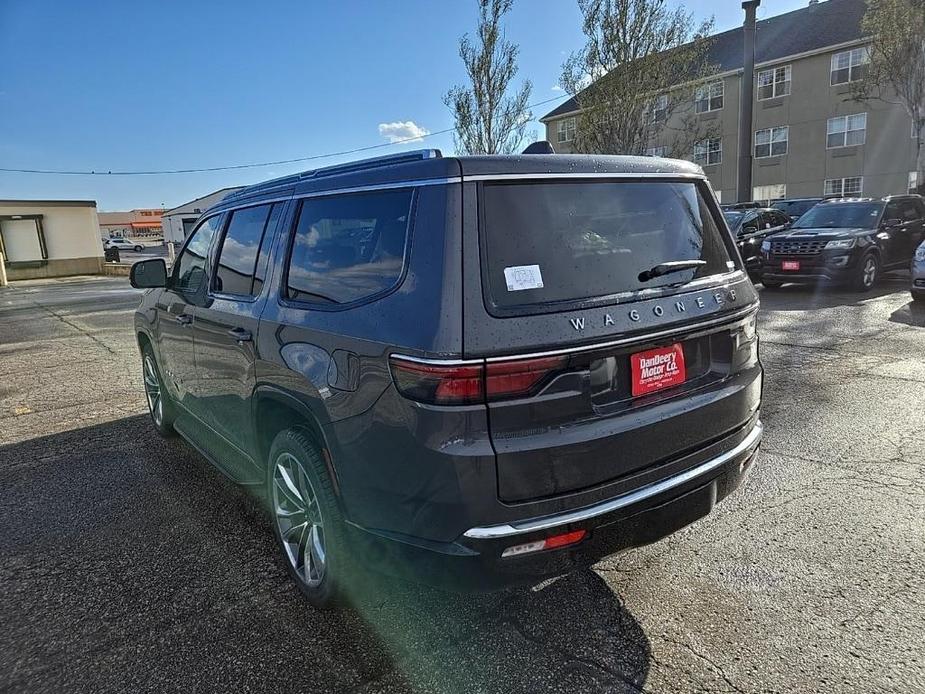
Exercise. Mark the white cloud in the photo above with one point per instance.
(556, 88)
(407, 131)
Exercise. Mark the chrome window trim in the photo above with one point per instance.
(604, 176)
(731, 319)
(253, 202)
(748, 444)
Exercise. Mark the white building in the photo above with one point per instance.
(50, 238)
(179, 222)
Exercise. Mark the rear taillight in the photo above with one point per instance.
(438, 384)
(464, 384)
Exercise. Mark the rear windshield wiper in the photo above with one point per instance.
(670, 266)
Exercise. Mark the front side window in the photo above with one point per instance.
(850, 66)
(774, 82)
(709, 97)
(565, 129)
(772, 142)
(708, 152)
(237, 257)
(843, 186)
(349, 247)
(846, 131)
(549, 242)
(189, 271)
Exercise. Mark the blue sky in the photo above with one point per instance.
(164, 85)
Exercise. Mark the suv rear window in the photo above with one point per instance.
(349, 247)
(563, 241)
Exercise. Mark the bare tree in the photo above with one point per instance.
(896, 72)
(488, 121)
(643, 63)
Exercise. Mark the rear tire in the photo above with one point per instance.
(771, 284)
(867, 273)
(307, 521)
(160, 406)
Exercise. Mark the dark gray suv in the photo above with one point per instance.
(472, 371)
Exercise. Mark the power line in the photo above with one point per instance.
(254, 165)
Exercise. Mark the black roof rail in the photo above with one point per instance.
(360, 165)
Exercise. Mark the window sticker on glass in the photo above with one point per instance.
(520, 277)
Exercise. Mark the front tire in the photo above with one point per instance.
(139, 249)
(160, 406)
(867, 273)
(307, 521)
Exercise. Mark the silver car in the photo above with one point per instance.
(918, 274)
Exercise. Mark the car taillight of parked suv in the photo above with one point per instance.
(849, 240)
(472, 371)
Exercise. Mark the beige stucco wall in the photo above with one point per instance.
(71, 238)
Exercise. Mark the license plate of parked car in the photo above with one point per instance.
(790, 265)
(658, 368)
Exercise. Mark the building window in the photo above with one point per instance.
(913, 181)
(839, 187)
(771, 142)
(709, 97)
(656, 151)
(774, 82)
(850, 66)
(776, 191)
(566, 129)
(709, 152)
(657, 109)
(845, 131)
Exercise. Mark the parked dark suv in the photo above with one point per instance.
(849, 240)
(752, 226)
(474, 371)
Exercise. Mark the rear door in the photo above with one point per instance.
(226, 325)
(599, 367)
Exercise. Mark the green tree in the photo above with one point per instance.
(487, 120)
(642, 64)
(896, 72)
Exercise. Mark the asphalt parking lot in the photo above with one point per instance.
(127, 563)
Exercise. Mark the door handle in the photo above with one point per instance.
(184, 319)
(241, 335)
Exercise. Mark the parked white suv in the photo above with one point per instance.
(123, 245)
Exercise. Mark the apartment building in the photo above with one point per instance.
(809, 137)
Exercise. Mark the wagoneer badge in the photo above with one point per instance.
(677, 307)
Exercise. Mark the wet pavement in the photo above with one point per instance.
(128, 563)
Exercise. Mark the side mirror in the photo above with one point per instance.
(148, 274)
(749, 229)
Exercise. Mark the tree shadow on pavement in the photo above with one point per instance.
(128, 563)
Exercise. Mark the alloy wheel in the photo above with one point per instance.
(870, 271)
(298, 519)
(153, 390)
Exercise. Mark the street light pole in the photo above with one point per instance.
(746, 100)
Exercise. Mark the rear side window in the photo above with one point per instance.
(236, 270)
(564, 242)
(349, 247)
